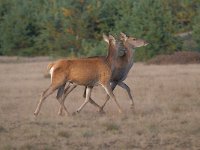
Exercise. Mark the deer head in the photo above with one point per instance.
(131, 42)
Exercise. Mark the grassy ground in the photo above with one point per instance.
(166, 116)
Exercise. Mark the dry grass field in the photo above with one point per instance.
(166, 115)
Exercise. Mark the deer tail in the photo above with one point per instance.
(47, 72)
(50, 65)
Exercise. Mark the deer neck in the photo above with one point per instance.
(112, 55)
(129, 53)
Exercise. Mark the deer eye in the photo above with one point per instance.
(133, 38)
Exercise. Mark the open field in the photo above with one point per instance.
(166, 116)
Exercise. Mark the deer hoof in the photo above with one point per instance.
(120, 111)
(61, 114)
(35, 114)
(101, 111)
(74, 113)
(132, 107)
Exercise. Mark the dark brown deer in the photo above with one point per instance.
(124, 64)
(88, 72)
(120, 67)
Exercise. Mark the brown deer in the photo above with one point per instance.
(124, 64)
(87, 72)
(121, 67)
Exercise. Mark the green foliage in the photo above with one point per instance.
(75, 27)
(94, 48)
(183, 13)
(151, 20)
(196, 29)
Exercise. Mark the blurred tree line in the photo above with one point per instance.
(75, 27)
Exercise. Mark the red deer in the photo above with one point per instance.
(124, 64)
(88, 72)
(121, 67)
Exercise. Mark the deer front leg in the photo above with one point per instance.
(91, 100)
(113, 85)
(124, 86)
(110, 93)
(88, 94)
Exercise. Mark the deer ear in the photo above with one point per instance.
(112, 39)
(123, 36)
(105, 38)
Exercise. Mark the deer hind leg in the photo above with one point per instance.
(124, 86)
(88, 94)
(58, 80)
(60, 91)
(67, 90)
(110, 93)
(113, 85)
(44, 95)
(60, 97)
(91, 100)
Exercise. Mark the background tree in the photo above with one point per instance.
(196, 29)
(75, 27)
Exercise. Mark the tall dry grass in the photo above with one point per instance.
(166, 115)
